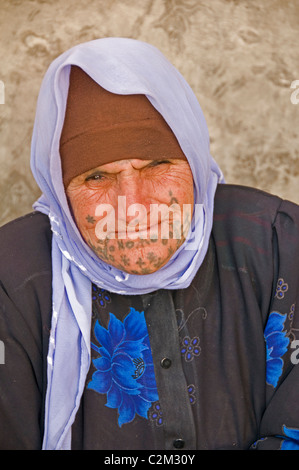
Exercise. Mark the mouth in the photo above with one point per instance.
(143, 232)
(162, 230)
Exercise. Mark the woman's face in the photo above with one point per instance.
(135, 213)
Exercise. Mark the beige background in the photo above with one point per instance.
(239, 56)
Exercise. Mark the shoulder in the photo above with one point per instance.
(252, 226)
(243, 222)
(241, 208)
(25, 248)
(32, 221)
(248, 206)
(235, 199)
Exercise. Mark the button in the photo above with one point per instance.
(178, 443)
(165, 363)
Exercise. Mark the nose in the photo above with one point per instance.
(133, 187)
(132, 195)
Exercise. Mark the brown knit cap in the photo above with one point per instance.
(101, 127)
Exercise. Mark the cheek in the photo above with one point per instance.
(189, 189)
(183, 189)
(83, 204)
(187, 192)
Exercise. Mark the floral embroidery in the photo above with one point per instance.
(293, 332)
(292, 443)
(100, 295)
(292, 312)
(281, 289)
(190, 348)
(276, 345)
(155, 414)
(125, 370)
(191, 391)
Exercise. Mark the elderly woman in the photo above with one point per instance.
(144, 304)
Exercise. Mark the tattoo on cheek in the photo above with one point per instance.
(90, 219)
(173, 199)
(104, 251)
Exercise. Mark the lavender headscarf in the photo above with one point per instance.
(122, 66)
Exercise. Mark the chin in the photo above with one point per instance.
(139, 256)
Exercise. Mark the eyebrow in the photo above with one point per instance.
(160, 160)
(103, 172)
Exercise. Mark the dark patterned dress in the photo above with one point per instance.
(213, 366)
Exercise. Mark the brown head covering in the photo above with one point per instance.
(101, 127)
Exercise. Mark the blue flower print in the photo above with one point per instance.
(124, 370)
(190, 348)
(281, 289)
(156, 414)
(292, 443)
(100, 295)
(191, 392)
(276, 345)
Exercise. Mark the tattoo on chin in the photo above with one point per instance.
(145, 264)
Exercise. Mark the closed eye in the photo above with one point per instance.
(158, 162)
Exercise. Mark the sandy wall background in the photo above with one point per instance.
(239, 56)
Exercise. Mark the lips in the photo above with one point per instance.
(148, 231)
(163, 222)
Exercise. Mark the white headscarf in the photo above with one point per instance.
(122, 66)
